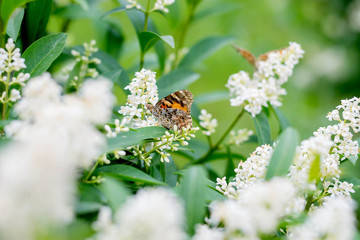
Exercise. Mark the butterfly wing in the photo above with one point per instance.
(174, 109)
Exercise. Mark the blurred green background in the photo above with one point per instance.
(328, 31)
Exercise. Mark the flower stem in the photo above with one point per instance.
(91, 172)
(216, 146)
(7, 84)
(147, 14)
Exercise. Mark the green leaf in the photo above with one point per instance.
(87, 207)
(133, 137)
(108, 64)
(113, 76)
(8, 7)
(283, 154)
(75, 72)
(39, 56)
(14, 24)
(262, 128)
(115, 10)
(129, 173)
(148, 40)
(202, 50)
(170, 169)
(137, 18)
(89, 193)
(115, 192)
(176, 80)
(230, 164)
(192, 190)
(314, 172)
(283, 121)
(36, 18)
(161, 54)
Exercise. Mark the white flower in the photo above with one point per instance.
(14, 95)
(240, 136)
(338, 188)
(161, 5)
(265, 85)
(143, 91)
(96, 99)
(203, 232)
(335, 220)
(207, 122)
(258, 210)
(42, 91)
(133, 3)
(151, 214)
(38, 171)
(248, 172)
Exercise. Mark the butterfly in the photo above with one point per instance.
(174, 110)
(250, 58)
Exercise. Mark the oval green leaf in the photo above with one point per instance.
(192, 190)
(283, 154)
(115, 192)
(39, 56)
(133, 137)
(7, 9)
(129, 173)
(14, 24)
(203, 49)
(148, 40)
(262, 128)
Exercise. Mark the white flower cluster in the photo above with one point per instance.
(239, 136)
(54, 136)
(265, 85)
(11, 62)
(331, 144)
(152, 214)
(160, 5)
(248, 172)
(167, 142)
(257, 211)
(85, 59)
(334, 220)
(143, 90)
(207, 122)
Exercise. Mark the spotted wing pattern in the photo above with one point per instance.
(174, 109)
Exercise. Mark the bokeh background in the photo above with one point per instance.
(328, 31)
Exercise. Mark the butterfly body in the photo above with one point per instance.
(174, 109)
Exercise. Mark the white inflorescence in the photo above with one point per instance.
(248, 172)
(265, 85)
(143, 90)
(240, 136)
(332, 144)
(55, 135)
(334, 220)
(10, 63)
(257, 211)
(151, 214)
(207, 122)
